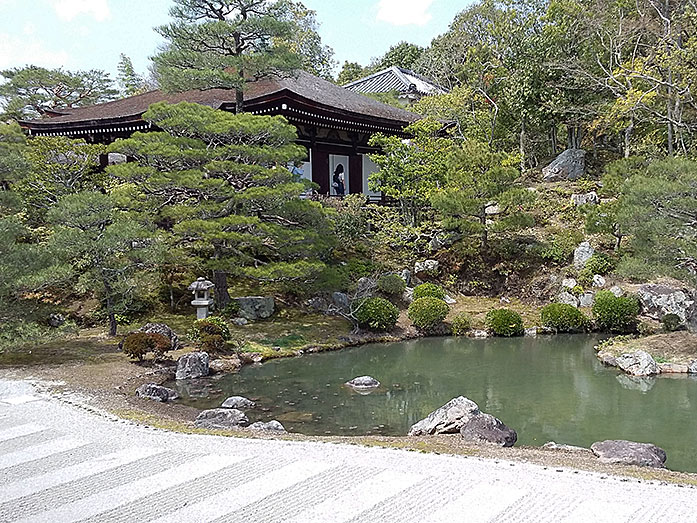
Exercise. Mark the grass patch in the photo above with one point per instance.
(477, 307)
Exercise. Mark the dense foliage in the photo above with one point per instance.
(461, 324)
(375, 313)
(392, 285)
(615, 314)
(429, 290)
(505, 322)
(427, 313)
(563, 318)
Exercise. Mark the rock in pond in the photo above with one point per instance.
(692, 367)
(271, 426)
(363, 382)
(225, 365)
(479, 334)
(569, 165)
(485, 428)
(221, 419)
(238, 402)
(163, 329)
(448, 419)
(193, 365)
(629, 453)
(638, 363)
(255, 308)
(673, 368)
(153, 391)
(531, 332)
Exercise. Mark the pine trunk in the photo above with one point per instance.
(222, 297)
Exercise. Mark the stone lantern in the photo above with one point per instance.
(201, 290)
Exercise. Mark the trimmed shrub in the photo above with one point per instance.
(599, 263)
(505, 322)
(429, 290)
(162, 344)
(461, 324)
(212, 343)
(211, 326)
(615, 314)
(138, 344)
(427, 313)
(376, 313)
(563, 318)
(392, 285)
(671, 323)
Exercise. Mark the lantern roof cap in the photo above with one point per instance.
(201, 284)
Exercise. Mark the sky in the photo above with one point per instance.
(91, 34)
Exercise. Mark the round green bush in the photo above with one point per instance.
(461, 324)
(427, 313)
(392, 285)
(211, 326)
(212, 343)
(563, 318)
(162, 344)
(505, 322)
(599, 263)
(671, 323)
(138, 344)
(429, 290)
(615, 314)
(376, 313)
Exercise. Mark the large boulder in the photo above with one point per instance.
(153, 391)
(569, 165)
(658, 300)
(448, 419)
(486, 428)
(582, 254)
(426, 267)
(269, 426)
(164, 330)
(567, 299)
(586, 299)
(238, 402)
(221, 419)
(341, 301)
(193, 365)
(638, 363)
(226, 365)
(629, 453)
(256, 307)
(590, 198)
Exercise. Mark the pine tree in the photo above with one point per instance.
(220, 183)
(225, 44)
(131, 83)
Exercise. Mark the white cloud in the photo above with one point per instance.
(404, 12)
(18, 52)
(67, 10)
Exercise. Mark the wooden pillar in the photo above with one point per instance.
(320, 170)
(356, 174)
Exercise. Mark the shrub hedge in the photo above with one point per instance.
(429, 290)
(211, 326)
(375, 313)
(427, 313)
(563, 318)
(461, 324)
(505, 322)
(615, 314)
(392, 285)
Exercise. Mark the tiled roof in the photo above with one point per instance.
(303, 84)
(395, 79)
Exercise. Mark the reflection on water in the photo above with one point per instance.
(550, 388)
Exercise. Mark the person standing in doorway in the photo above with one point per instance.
(338, 181)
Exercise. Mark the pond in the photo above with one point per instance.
(549, 388)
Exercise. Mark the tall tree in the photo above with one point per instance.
(403, 54)
(225, 44)
(31, 92)
(220, 183)
(131, 83)
(350, 71)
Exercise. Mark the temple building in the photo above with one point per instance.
(409, 86)
(334, 124)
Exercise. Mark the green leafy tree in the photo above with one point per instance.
(226, 44)
(350, 72)
(411, 170)
(101, 248)
(479, 180)
(31, 92)
(403, 55)
(659, 211)
(13, 165)
(219, 182)
(57, 166)
(131, 83)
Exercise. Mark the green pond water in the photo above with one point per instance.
(549, 388)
